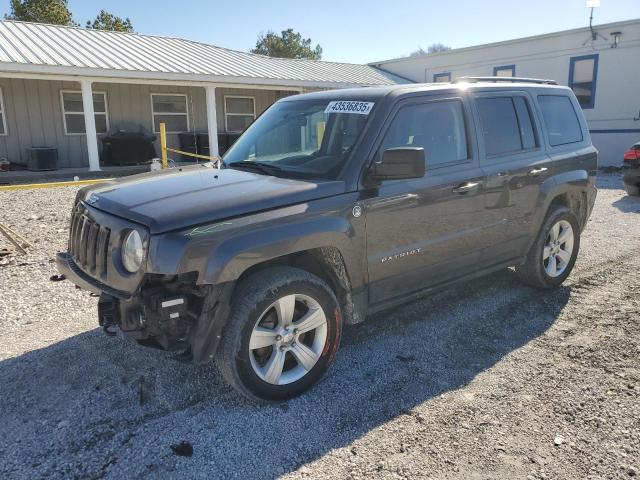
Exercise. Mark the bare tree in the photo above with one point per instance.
(433, 48)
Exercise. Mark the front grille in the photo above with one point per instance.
(88, 242)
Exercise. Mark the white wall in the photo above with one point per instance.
(617, 99)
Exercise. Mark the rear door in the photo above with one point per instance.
(515, 165)
(426, 231)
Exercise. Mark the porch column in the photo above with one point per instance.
(90, 125)
(212, 121)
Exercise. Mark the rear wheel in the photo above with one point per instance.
(553, 254)
(632, 189)
(282, 334)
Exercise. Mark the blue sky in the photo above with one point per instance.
(356, 31)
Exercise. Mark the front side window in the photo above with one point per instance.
(443, 77)
(582, 79)
(504, 71)
(170, 109)
(73, 112)
(239, 113)
(560, 119)
(438, 127)
(300, 138)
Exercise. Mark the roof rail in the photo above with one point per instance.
(541, 81)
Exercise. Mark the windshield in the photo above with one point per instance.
(301, 138)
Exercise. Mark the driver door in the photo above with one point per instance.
(426, 231)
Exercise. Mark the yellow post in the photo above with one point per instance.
(163, 146)
(320, 126)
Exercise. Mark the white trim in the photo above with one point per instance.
(212, 121)
(4, 115)
(64, 118)
(602, 26)
(139, 81)
(90, 125)
(167, 78)
(154, 113)
(226, 114)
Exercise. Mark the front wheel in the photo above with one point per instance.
(282, 334)
(554, 252)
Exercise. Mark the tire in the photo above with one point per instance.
(269, 312)
(632, 189)
(546, 265)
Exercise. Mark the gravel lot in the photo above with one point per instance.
(487, 380)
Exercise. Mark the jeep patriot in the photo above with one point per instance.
(333, 205)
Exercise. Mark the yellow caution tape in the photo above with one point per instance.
(73, 183)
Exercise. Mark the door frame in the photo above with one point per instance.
(473, 152)
(472, 162)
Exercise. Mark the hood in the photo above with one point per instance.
(181, 197)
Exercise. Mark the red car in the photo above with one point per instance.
(631, 175)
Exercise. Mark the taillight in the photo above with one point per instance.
(631, 155)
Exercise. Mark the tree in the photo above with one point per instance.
(108, 21)
(437, 47)
(289, 44)
(44, 11)
(433, 48)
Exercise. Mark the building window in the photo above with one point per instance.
(582, 79)
(504, 71)
(3, 123)
(170, 109)
(239, 113)
(442, 77)
(73, 112)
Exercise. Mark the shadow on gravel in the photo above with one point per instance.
(628, 204)
(609, 180)
(93, 406)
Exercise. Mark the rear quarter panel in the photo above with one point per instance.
(573, 167)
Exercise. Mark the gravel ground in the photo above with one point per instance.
(488, 380)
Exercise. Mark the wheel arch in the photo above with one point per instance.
(569, 189)
(573, 199)
(328, 264)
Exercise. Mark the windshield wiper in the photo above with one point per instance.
(259, 166)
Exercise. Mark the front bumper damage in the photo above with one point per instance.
(169, 312)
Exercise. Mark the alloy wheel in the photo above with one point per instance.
(288, 339)
(558, 248)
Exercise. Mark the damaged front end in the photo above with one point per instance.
(170, 313)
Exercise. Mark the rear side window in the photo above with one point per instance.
(438, 127)
(506, 125)
(525, 123)
(560, 119)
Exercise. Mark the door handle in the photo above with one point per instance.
(537, 171)
(466, 187)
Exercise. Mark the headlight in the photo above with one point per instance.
(132, 251)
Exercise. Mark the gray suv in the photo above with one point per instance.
(331, 206)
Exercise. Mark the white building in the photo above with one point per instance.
(602, 67)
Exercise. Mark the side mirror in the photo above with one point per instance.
(400, 163)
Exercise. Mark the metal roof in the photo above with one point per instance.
(54, 49)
